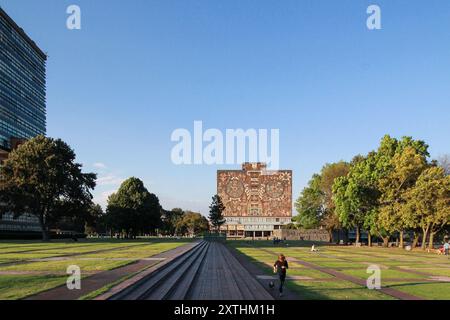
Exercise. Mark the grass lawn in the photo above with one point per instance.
(336, 290)
(20, 276)
(430, 291)
(397, 269)
(19, 286)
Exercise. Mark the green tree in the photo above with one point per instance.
(42, 178)
(309, 205)
(170, 220)
(216, 210)
(192, 224)
(95, 220)
(357, 196)
(316, 206)
(428, 203)
(406, 168)
(330, 220)
(133, 210)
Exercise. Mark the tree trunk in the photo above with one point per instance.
(45, 235)
(424, 238)
(358, 234)
(401, 245)
(369, 239)
(385, 242)
(415, 240)
(330, 236)
(430, 245)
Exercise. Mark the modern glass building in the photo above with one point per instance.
(22, 103)
(22, 84)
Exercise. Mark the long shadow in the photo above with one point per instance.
(296, 289)
(407, 284)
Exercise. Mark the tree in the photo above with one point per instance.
(315, 205)
(133, 209)
(358, 195)
(216, 210)
(330, 220)
(406, 168)
(42, 178)
(95, 220)
(192, 223)
(309, 205)
(289, 226)
(170, 220)
(428, 203)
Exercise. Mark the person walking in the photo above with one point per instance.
(280, 267)
(447, 248)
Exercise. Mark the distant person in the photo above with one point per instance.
(447, 248)
(280, 267)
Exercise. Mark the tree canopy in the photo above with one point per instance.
(192, 224)
(133, 210)
(315, 206)
(370, 187)
(41, 178)
(216, 212)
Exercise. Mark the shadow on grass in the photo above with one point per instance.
(270, 244)
(300, 292)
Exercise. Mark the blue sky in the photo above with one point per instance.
(139, 69)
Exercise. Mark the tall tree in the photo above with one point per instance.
(133, 210)
(170, 220)
(315, 205)
(216, 210)
(309, 205)
(330, 220)
(355, 196)
(192, 224)
(42, 178)
(95, 220)
(428, 205)
(358, 195)
(407, 166)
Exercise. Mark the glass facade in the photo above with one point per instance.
(22, 102)
(22, 84)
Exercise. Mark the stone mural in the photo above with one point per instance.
(255, 191)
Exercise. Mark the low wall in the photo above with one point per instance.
(307, 235)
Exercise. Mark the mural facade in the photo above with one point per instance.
(257, 201)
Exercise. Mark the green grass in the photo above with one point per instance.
(17, 287)
(431, 291)
(61, 266)
(52, 273)
(385, 274)
(354, 262)
(336, 290)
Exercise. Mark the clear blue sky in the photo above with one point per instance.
(139, 69)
